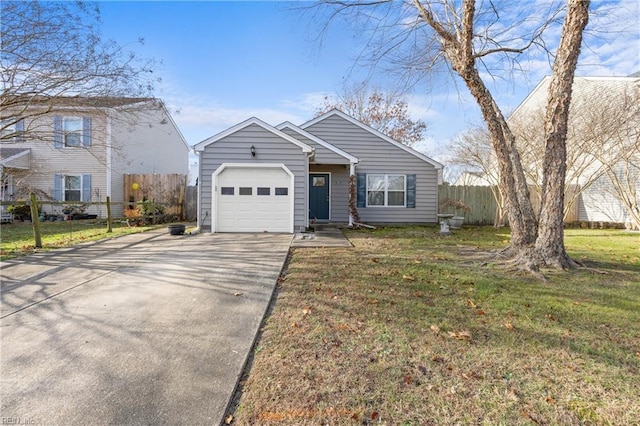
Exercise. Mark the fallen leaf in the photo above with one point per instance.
(435, 329)
(295, 324)
(460, 335)
(408, 278)
(417, 294)
(471, 303)
(550, 400)
(306, 311)
(228, 419)
(408, 379)
(373, 301)
(238, 293)
(480, 312)
(512, 394)
(374, 260)
(375, 415)
(417, 261)
(464, 335)
(508, 326)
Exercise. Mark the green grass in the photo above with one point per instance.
(17, 238)
(411, 328)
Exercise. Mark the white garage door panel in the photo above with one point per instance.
(253, 213)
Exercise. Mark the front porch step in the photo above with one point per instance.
(323, 226)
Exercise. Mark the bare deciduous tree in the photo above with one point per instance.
(54, 50)
(465, 34)
(385, 112)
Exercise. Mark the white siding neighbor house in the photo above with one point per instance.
(255, 177)
(602, 143)
(79, 150)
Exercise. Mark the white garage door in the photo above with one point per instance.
(254, 199)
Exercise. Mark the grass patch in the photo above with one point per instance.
(17, 238)
(411, 328)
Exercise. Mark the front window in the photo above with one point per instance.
(8, 130)
(386, 190)
(73, 188)
(72, 131)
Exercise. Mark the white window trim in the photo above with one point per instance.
(65, 132)
(386, 190)
(64, 189)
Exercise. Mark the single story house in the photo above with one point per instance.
(254, 177)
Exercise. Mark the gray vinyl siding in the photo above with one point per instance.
(144, 142)
(236, 148)
(322, 154)
(339, 190)
(379, 156)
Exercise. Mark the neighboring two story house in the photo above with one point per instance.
(603, 154)
(78, 149)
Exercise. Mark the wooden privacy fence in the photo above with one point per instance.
(479, 200)
(482, 205)
(166, 189)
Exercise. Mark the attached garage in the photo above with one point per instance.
(253, 198)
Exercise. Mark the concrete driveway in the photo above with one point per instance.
(144, 329)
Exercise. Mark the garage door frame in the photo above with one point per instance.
(224, 166)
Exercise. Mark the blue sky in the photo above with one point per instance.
(223, 62)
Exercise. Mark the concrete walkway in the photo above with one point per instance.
(143, 329)
(324, 237)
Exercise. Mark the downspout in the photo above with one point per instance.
(198, 186)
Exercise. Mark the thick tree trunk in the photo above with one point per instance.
(549, 246)
(513, 184)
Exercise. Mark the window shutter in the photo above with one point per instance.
(411, 191)
(57, 187)
(20, 131)
(57, 131)
(362, 190)
(86, 131)
(86, 188)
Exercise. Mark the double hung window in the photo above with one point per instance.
(386, 190)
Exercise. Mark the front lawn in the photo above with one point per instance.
(411, 328)
(17, 237)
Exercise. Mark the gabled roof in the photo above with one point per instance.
(77, 101)
(249, 122)
(336, 112)
(317, 140)
(7, 155)
(583, 87)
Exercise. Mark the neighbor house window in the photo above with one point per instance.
(72, 188)
(386, 190)
(72, 131)
(8, 129)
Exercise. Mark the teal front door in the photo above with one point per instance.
(319, 196)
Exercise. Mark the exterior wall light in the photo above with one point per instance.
(253, 151)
